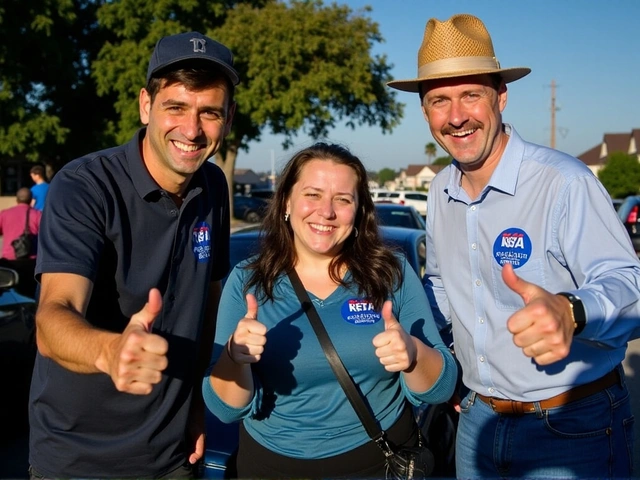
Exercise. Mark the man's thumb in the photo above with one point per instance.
(150, 311)
(515, 283)
(252, 306)
(387, 315)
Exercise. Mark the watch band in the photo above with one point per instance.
(577, 311)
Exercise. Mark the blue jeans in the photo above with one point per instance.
(588, 438)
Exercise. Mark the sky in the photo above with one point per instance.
(590, 49)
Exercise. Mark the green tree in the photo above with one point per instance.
(386, 175)
(303, 66)
(621, 175)
(430, 151)
(446, 160)
(50, 112)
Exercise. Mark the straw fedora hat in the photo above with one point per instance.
(459, 47)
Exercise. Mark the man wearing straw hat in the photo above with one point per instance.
(528, 260)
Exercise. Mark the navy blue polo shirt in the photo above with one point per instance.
(108, 220)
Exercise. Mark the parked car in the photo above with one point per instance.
(416, 199)
(17, 356)
(617, 203)
(629, 214)
(394, 215)
(249, 209)
(222, 439)
(263, 193)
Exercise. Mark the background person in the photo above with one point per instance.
(510, 226)
(270, 370)
(41, 188)
(135, 240)
(12, 225)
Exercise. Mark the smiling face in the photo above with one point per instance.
(322, 207)
(184, 129)
(465, 117)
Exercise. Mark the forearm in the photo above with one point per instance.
(426, 369)
(64, 336)
(231, 381)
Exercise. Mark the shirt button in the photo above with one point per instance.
(174, 213)
(481, 320)
(473, 208)
(481, 358)
(474, 246)
(491, 390)
(478, 283)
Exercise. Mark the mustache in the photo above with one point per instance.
(449, 129)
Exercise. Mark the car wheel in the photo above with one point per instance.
(252, 217)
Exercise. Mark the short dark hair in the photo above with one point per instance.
(196, 78)
(38, 170)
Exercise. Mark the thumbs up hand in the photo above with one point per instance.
(136, 358)
(395, 348)
(544, 327)
(246, 345)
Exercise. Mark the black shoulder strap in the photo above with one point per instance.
(346, 382)
(27, 231)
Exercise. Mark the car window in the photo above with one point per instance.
(416, 196)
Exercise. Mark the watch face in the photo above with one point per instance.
(577, 310)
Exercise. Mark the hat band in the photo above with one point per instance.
(457, 64)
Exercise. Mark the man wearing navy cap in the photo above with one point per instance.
(133, 246)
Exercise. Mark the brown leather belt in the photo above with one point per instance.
(512, 407)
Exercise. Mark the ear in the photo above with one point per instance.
(502, 97)
(144, 103)
(229, 120)
(424, 113)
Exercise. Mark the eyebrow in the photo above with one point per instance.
(318, 189)
(177, 103)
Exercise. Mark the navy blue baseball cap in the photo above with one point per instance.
(191, 46)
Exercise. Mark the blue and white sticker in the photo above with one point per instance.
(512, 246)
(359, 312)
(201, 241)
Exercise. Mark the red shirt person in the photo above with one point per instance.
(12, 225)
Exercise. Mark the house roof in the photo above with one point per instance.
(437, 168)
(592, 156)
(413, 170)
(617, 142)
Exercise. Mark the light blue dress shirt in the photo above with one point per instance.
(547, 214)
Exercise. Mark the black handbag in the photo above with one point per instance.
(23, 245)
(403, 464)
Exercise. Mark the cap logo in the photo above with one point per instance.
(199, 45)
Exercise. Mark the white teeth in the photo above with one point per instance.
(322, 228)
(184, 147)
(463, 133)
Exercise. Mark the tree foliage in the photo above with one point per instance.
(621, 175)
(386, 175)
(50, 112)
(430, 151)
(303, 66)
(70, 85)
(446, 160)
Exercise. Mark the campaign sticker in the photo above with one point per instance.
(360, 312)
(512, 246)
(201, 241)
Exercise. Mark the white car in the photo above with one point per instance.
(416, 199)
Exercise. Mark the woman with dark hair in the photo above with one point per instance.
(269, 369)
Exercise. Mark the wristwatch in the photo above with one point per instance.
(577, 311)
